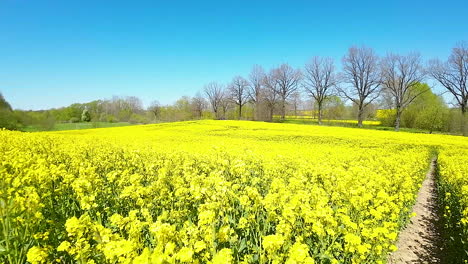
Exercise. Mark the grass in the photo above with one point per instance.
(368, 124)
(75, 126)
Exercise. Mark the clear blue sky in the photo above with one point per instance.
(54, 53)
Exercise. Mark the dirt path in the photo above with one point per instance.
(420, 241)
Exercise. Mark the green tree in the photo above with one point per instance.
(333, 107)
(386, 117)
(73, 111)
(4, 104)
(7, 117)
(85, 116)
(428, 111)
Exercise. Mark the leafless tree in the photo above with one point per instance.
(198, 104)
(226, 104)
(287, 80)
(238, 92)
(296, 101)
(400, 75)
(123, 107)
(361, 72)
(453, 76)
(319, 80)
(215, 93)
(133, 103)
(155, 108)
(269, 93)
(385, 100)
(256, 78)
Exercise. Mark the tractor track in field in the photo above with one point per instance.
(420, 241)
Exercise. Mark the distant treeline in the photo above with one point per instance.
(428, 112)
(392, 89)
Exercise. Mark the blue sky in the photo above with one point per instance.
(54, 53)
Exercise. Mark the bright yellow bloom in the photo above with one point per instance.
(224, 256)
(37, 255)
(222, 191)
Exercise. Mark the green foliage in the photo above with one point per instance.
(138, 119)
(76, 126)
(74, 110)
(334, 108)
(4, 105)
(47, 122)
(369, 112)
(74, 120)
(454, 121)
(428, 111)
(386, 117)
(111, 119)
(8, 119)
(85, 116)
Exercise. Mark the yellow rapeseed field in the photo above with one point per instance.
(218, 192)
(453, 185)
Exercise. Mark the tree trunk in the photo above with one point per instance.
(360, 115)
(397, 119)
(255, 116)
(397, 122)
(240, 112)
(271, 113)
(319, 113)
(283, 109)
(464, 129)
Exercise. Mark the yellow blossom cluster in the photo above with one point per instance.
(453, 196)
(209, 192)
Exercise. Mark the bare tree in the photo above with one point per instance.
(256, 78)
(226, 104)
(361, 71)
(296, 101)
(319, 80)
(453, 76)
(155, 108)
(269, 93)
(385, 100)
(287, 80)
(400, 75)
(215, 93)
(238, 92)
(133, 103)
(198, 104)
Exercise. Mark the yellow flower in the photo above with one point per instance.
(243, 222)
(199, 246)
(224, 256)
(64, 246)
(37, 255)
(185, 255)
(272, 243)
(178, 192)
(299, 253)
